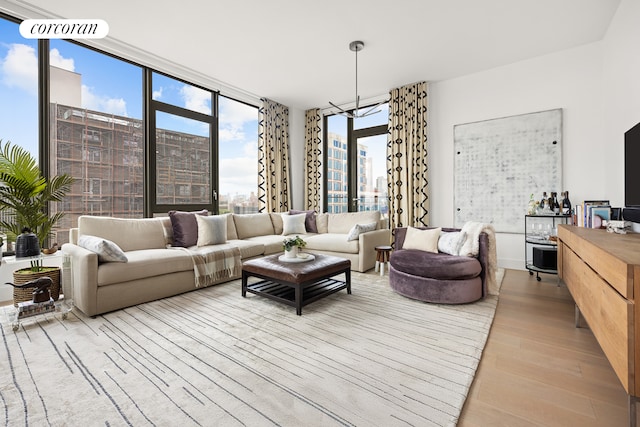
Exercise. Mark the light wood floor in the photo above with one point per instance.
(537, 369)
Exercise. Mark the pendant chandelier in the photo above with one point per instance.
(357, 46)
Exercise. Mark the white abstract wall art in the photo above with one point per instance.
(499, 163)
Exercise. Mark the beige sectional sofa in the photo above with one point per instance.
(156, 270)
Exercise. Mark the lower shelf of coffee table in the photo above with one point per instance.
(286, 294)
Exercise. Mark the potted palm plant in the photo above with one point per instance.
(24, 200)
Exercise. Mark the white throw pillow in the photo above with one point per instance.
(107, 250)
(422, 240)
(357, 229)
(293, 224)
(451, 242)
(212, 230)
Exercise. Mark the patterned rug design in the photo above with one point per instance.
(211, 357)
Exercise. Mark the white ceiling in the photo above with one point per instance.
(296, 51)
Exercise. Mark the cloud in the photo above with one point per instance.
(233, 116)
(196, 99)
(57, 60)
(93, 101)
(236, 113)
(238, 175)
(250, 149)
(157, 94)
(20, 68)
(230, 133)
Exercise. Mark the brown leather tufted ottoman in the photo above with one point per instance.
(296, 284)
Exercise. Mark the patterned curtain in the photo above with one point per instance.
(407, 157)
(274, 194)
(313, 160)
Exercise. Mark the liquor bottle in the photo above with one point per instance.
(544, 201)
(556, 205)
(566, 203)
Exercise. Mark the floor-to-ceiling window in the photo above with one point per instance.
(355, 162)
(95, 133)
(98, 130)
(182, 143)
(237, 156)
(18, 93)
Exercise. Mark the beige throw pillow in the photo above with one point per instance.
(422, 240)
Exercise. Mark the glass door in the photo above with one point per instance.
(371, 189)
(355, 163)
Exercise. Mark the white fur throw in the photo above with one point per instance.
(471, 247)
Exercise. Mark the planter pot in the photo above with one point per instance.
(25, 275)
(291, 253)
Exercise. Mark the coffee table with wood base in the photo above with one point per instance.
(296, 284)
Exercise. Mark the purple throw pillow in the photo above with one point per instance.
(185, 227)
(309, 221)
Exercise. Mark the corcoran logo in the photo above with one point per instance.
(64, 29)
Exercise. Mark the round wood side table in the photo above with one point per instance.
(382, 258)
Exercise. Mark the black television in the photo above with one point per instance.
(631, 212)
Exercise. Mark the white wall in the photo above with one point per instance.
(571, 80)
(621, 71)
(596, 85)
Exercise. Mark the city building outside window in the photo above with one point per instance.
(359, 184)
(96, 132)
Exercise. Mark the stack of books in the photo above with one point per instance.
(593, 213)
(29, 308)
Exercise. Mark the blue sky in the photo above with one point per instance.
(114, 86)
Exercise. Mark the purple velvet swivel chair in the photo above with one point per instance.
(438, 277)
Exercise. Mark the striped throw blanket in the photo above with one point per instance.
(215, 264)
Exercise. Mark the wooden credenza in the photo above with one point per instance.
(602, 272)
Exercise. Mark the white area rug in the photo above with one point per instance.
(211, 357)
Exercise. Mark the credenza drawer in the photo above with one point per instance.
(609, 315)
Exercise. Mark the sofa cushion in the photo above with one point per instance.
(276, 220)
(185, 227)
(250, 225)
(129, 234)
(423, 240)
(310, 220)
(293, 224)
(107, 250)
(212, 230)
(167, 229)
(434, 265)
(248, 248)
(331, 242)
(231, 227)
(145, 263)
(322, 222)
(272, 244)
(341, 223)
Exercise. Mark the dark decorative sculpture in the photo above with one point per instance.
(41, 285)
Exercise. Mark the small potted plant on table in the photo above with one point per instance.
(292, 245)
(24, 199)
